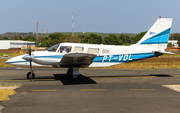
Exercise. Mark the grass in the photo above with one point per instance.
(13, 54)
(10, 85)
(3, 63)
(4, 93)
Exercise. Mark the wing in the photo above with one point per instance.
(77, 60)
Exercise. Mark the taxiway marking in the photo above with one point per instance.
(24, 93)
(92, 89)
(45, 90)
(141, 89)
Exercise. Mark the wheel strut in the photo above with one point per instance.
(30, 75)
(73, 72)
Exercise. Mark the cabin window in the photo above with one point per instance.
(93, 50)
(78, 49)
(105, 51)
(65, 49)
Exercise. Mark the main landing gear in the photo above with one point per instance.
(73, 72)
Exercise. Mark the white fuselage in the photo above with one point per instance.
(107, 55)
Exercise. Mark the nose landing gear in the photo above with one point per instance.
(30, 75)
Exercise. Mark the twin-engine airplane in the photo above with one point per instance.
(77, 55)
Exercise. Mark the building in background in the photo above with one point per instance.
(174, 43)
(8, 44)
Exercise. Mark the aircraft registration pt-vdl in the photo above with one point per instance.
(77, 55)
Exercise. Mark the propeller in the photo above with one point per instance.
(28, 57)
(30, 62)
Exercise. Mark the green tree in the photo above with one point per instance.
(112, 40)
(125, 39)
(30, 38)
(20, 38)
(174, 36)
(69, 38)
(169, 45)
(5, 38)
(57, 36)
(138, 37)
(81, 36)
(45, 44)
(45, 41)
(92, 39)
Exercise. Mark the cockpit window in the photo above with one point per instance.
(53, 48)
(65, 49)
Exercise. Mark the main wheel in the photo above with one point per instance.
(69, 72)
(30, 76)
(74, 76)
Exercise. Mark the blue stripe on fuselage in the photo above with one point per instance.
(16, 62)
(123, 57)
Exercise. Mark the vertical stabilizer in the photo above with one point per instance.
(158, 35)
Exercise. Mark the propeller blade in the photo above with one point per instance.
(30, 51)
(28, 48)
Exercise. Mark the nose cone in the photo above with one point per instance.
(11, 61)
(8, 61)
(16, 60)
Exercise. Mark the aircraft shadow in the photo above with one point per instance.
(68, 81)
(161, 75)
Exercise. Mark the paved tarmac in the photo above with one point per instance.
(96, 91)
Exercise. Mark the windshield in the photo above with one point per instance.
(53, 48)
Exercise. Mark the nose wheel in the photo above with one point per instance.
(30, 75)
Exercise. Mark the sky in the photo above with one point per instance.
(105, 16)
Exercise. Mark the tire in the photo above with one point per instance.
(69, 73)
(30, 76)
(74, 76)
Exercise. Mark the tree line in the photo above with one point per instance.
(112, 39)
